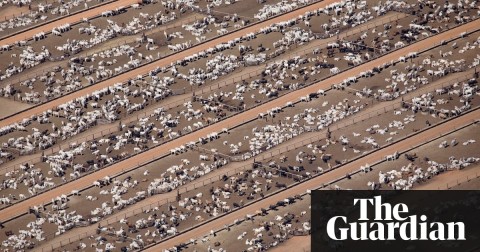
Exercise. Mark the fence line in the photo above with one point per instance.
(103, 132)
(169, 105)
(310, 84)
(128, 39)
(40, 72)
(167, 27)
(433, 46)
(159, 203)
(115, 129)
(305, 51)
(425, 141)
(262, 157)
(366, 28)
(174, 104)
(459, 182)
(46, 21)
(259, 71)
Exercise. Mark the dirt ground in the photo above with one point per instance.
(340, 153)
(469, 183)
(296, 243)
(70, 19)
(216, 224)
(15, 11)
(430, 150)
(183, 156)
(8, 12)
(9, 107)
(229, 241)
(248, 101)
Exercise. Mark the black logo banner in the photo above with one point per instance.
(347, 220)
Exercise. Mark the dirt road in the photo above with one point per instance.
(214, 175)
(178, 98)
(314, 183)
(178, 56)
(68, 19)
(132, 163)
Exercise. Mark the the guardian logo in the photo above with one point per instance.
(391, 223)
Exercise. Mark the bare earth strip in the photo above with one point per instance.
(316, 182)
(47, 66)
(70, 19)
(8, 107)
(73, 236)
(177, 98)
(181, 55)
(151, 154)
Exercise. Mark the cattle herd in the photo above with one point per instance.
(144, 121)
